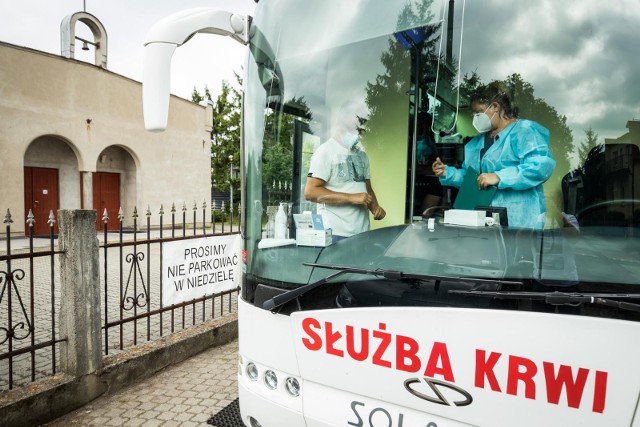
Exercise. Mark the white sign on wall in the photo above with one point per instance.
(200, 267)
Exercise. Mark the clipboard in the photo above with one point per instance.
(470, 196)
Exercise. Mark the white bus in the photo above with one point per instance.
(445, 312)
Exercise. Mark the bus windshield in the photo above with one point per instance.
(364, 146)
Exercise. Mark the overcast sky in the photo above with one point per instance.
(204, 60)
(581, 56)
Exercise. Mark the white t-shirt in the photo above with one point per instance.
(345, 171)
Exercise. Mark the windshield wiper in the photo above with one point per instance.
(284, 298)
(560, 298)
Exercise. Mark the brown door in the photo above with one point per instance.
(106, 195)
(41, 196)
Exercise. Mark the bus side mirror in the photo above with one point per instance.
(163, 39)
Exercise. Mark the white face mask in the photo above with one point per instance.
(350, 139)
(482, 122)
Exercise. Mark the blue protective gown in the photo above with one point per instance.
(521, 158)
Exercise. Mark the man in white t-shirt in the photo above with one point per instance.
(339, 180)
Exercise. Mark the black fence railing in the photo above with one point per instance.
(132, 311)
(29, 303)
(132, 275)
(279, 192)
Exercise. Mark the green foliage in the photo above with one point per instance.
(392, 84)
(531, 107)
(218, 216)
(225, 134)
(278, 140)
(278, 163)
(225, 137)
(197, 97)
(389, 89)
(587, 145)
(469, 83)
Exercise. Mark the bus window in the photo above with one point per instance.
(316, 85)
(424, 66)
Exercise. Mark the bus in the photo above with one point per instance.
(447, 311)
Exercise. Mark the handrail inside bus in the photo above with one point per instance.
(435, 90)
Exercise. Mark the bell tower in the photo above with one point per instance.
(68, 37)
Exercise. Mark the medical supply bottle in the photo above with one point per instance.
(281, 223)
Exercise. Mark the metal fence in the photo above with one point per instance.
(131, 274)
(28, 306)
(279, 192)
(131, 282)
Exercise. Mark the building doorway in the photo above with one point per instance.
(106, 195)
(41, 196)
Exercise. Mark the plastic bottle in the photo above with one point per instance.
(271, 222)
(281, 223)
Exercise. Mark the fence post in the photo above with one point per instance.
(79, 292)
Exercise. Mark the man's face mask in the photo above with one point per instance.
(350, 139)
(482, 122)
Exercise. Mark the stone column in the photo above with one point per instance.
(80, 308)
(87, 191)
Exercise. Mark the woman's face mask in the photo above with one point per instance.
(482, 122)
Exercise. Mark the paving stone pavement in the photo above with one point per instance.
(185, 394)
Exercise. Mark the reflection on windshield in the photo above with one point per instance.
(575, 75)
(603, 191)
(339, 177)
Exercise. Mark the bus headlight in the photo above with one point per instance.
(252, 371)
(293, 386)
(270, 379)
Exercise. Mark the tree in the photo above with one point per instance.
(225, 133)
(278, 139)
(585, 146)
(531, 107)
(389, 88)
(277, 164)
(197, 97)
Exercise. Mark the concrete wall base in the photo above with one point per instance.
(60, 394)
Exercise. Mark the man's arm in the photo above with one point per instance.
(315, 191)
(374, 207)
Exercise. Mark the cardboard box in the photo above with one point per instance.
(309, 221)
(311, 237)
(465, 217)
(310, 230)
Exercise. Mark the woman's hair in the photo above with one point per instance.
(495, 91)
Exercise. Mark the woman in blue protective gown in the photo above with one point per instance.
(510, 153)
